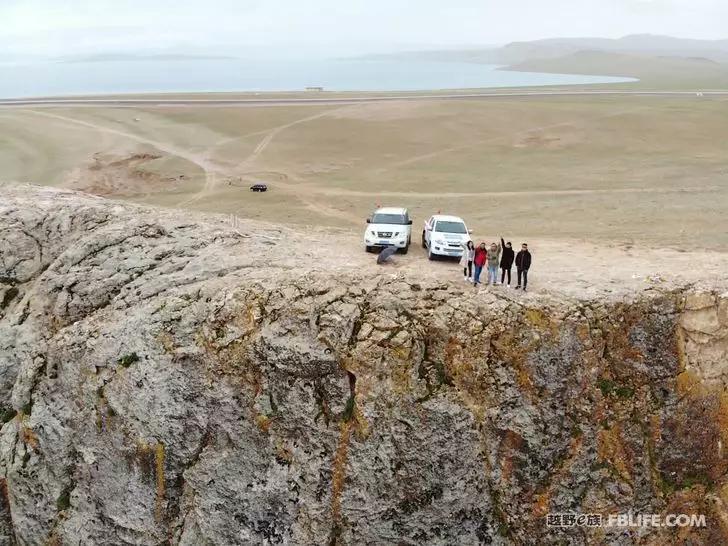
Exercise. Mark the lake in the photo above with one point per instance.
(226, 75)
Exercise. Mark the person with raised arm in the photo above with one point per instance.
(506, 263)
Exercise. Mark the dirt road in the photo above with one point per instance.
(259, 101)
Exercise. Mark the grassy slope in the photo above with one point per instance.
(607, 169)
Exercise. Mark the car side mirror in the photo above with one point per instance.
(409, 222)
(369, 221)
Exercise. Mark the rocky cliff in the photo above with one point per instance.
(168, 380)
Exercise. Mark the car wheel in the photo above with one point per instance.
(424, 242)
(405, 249)
(369, 248)
(430, 255)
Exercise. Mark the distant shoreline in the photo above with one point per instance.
(119, 75)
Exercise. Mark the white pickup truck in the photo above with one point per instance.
(445, 236)
(388, 226)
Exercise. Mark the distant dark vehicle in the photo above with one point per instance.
(258, 187)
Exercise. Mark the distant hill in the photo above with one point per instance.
(112, 57)
(655, 60)
(645, 44)
(517, 52)
(665, 71)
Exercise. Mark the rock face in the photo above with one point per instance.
(167, 380)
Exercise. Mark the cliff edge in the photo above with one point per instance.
(165, 378)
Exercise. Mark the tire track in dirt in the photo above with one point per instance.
(184, 154)
(451, 149)
(296, 190)
(439, 195)
(207, 167)
(304, 191)
(271, 134)
(308, 193)
(321, 208)
(228, 140)
(211, 178)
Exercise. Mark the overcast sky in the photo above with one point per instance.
(335, 27)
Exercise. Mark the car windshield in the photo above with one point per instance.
(388, 219)
(450, 227)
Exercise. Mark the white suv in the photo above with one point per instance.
(445, 236)
(389, 226)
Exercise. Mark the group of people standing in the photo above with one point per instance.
(493, 257)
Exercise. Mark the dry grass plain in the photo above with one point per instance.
(625, 171)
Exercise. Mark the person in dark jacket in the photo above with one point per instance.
(479, 260)
(506, 261)
(523, 264)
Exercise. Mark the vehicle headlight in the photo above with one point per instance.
(396, 234)
(373, 233)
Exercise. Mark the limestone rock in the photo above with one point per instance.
(165, 379)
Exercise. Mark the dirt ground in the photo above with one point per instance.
(564, 268)
(644, 173)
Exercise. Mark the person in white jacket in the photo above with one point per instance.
(467, 260)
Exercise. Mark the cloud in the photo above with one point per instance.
(57, 28)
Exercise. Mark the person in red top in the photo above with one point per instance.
(481, 257)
